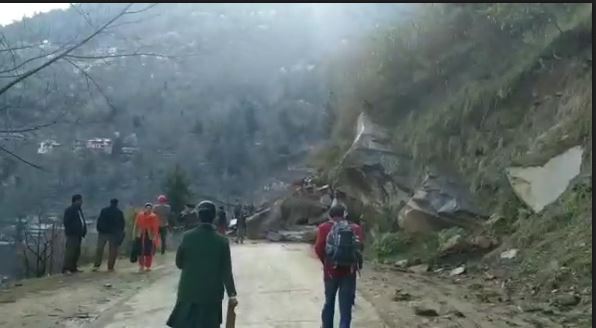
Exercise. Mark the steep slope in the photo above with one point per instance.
(475, 91)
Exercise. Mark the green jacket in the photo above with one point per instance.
(206, 264)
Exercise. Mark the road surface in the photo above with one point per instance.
(279, 285)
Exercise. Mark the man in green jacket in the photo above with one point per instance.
(206, 264)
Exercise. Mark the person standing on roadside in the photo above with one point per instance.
(222, 221)
(110, 229)
(75, 229)
(147, 234)
(338, 247)
(163, 212)
(241, 228)
(205, 260)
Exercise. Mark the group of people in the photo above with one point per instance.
(150, 229)
(204, 257)
(149, 233)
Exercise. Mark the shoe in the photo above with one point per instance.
(110, 270)
(148, 270)
(67, 273)
(141, 270)
(95, 269)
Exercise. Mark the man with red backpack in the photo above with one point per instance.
(339, 247)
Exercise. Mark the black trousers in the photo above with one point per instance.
(163, 231)
(72, 253)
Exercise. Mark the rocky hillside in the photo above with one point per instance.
(467, 131)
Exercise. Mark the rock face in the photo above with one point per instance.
(442, 202)
(371, 171)
(539, 186)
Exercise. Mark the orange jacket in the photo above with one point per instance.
(147, 222)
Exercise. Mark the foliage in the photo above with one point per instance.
(401, 245)
(177, 188)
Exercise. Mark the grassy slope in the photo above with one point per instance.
(515, 108)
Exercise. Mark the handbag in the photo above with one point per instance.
(135, 250)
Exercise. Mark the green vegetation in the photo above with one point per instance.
(177, 187)
(400, 245)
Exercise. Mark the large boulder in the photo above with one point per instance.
(303, 234)
(442, 202)
(293, 210)
(539, 186)
(371, 171)
(265, 220)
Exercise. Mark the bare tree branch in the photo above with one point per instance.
(142, 9)
(21, 159)
(8, 48)
(15, 67)
(135, 54)
(97, 86)
(66, 52)
(29, 129)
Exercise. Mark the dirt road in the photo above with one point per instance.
(279, 286)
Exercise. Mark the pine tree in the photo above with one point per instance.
(177, 187)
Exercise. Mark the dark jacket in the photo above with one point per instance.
(222, 220)
(73, 226)
(110, 220)
(206, 264)
(241, 223)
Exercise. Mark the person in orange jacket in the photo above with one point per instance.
(147, 231)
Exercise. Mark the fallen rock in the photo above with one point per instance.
(425, 311)
(422, 268)
(304, 234)
(442, 202)
(483, 242)
(566, 300)
(489, 276)
(273, 236)
(401, 296)
(532, 307)
(539, 186)
(458, 271)
(454, 244)
(510, 254)
(401, 264)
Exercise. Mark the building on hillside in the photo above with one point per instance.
(103, 145)
(47, 146)
(100, 144)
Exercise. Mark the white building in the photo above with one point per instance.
(47, 146)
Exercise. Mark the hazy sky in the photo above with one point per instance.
(10, 12)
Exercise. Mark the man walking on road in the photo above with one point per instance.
(338, 246)
(163, 211)
(75, 229)
(110, 229)
(205, 260)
